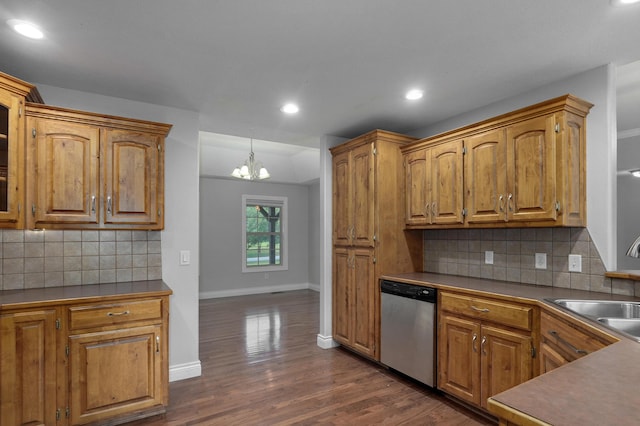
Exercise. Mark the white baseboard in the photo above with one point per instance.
(257, 290)
(185, 371)
(326, 342)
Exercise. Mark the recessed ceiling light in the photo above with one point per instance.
(635, 173)
(290, 108)
(414, 94)
(25, 28)
(623, 2)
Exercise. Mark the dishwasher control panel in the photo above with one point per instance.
(426, 294)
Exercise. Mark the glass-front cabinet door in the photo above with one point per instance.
(13, 95)
(11, 147)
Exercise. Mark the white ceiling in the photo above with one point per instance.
(347, 63)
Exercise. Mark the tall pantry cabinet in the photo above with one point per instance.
(368, 234)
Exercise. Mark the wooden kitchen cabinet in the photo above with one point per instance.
(96, 355)
(355, 298)
(485, 346)
(29, 367)
(13, 94)
(563, 340)
(434, 178)
(368, 234)
(94, 171)
(525, 168)
(353, 192)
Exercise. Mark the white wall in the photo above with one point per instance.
(181, 213)
(221, 246)
(314, 235)
(628, 200)
(598, 87)
(324, 339)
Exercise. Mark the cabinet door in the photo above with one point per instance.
(486, 177)
(458, 358)
(531, 170)
(418, 204)
(342, 204)
(362, 181)
(28, 368)
(66, 187)
(550, 358)
(341, 295)
(365, 303)
(115, 372)
(506, 360)
(133, 185)
(447, 192)
(11, 157)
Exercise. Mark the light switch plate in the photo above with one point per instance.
(488, 257)
(575, 263)
(185, 257)
(541, 260)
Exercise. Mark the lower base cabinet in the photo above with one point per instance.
(28, 367)
(563, 340)
(85, 361)
(485, 347)
(134, 376)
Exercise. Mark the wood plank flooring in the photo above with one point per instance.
(261, 366)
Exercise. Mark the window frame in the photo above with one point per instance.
(273, 201)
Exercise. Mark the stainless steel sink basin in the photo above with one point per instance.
(601, 308)
(627, 325)
(619, 315)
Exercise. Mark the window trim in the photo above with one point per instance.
(281, 202)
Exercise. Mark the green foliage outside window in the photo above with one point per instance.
(264, 236)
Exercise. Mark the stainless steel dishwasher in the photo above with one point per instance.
(408, 330)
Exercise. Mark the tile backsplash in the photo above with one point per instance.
(52, 258)
(462, 252)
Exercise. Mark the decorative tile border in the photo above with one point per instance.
(50, 258)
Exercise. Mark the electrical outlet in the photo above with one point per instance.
(488, 257)
(541, 260)
(575, 263)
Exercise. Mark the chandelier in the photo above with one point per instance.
(251, 169)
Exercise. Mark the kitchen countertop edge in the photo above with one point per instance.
(41, 297)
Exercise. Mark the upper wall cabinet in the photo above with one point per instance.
(93, 171)
(13, 94)
(525, 168)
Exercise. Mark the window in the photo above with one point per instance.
(264, 237)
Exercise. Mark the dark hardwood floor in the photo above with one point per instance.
(261, 366)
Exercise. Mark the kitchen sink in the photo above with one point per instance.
(601, 308)
(626, 325)
(619, 315)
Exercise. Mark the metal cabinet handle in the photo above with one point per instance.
(510, 198)
(475, 308)
(501, 202)
(117, 314)
(567, 344)
(93, 204)
(157, 344)
(434, 211)
(473, 342)
(484, 340)
(109, 204)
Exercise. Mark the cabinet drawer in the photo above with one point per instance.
(504, 313)
(573, 341)
(98, 315)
